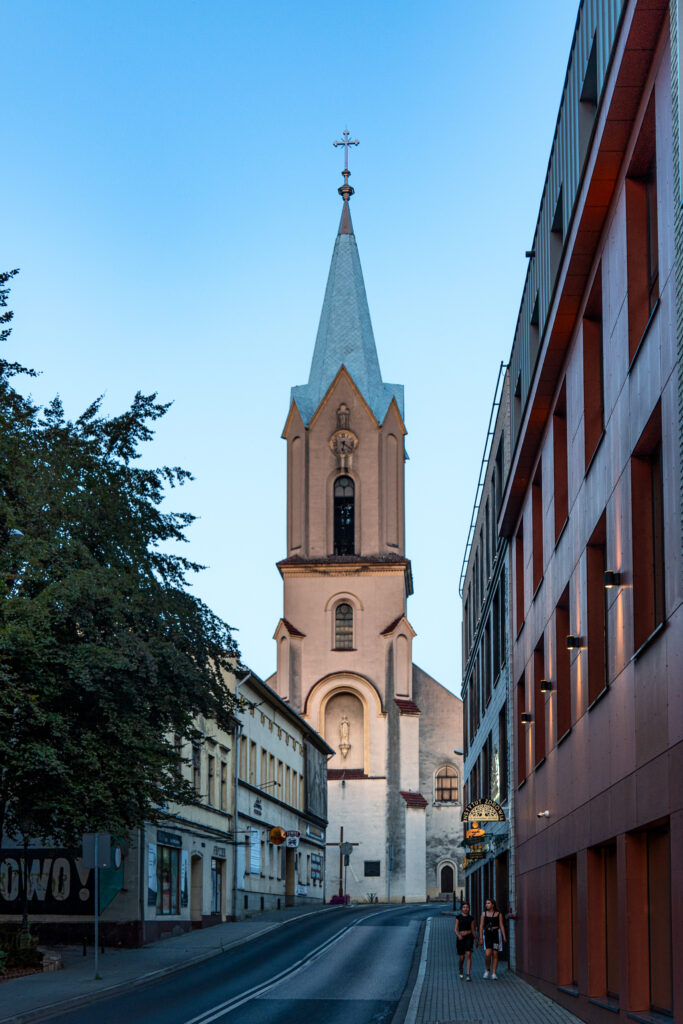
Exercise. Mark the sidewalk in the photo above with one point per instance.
(37, 996)
(440, 997)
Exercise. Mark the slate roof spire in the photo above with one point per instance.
(345, 336)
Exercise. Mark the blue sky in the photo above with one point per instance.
(169, 187)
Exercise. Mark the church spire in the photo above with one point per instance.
(345, 336)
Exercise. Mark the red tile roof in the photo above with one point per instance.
(407, 707)
(292, 630)
(345, 773)
(414, 799)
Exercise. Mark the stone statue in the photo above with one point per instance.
(344, 730)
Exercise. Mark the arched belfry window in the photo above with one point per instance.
(447, 785)
(343, 627)
(344, 524)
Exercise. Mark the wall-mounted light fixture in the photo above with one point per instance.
(611, 578)
(525, 718)
(542, 814)
(545, 685)
(530, 253)
(573, 642)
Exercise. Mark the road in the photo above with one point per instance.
(328, 969)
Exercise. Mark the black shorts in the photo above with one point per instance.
(465, 944)
(493, 939)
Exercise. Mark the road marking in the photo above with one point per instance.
(417, 991)
(222, 1009)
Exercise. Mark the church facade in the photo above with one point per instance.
(344, 642)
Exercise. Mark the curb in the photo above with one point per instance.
(75, 1002)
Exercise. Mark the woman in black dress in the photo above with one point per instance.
(492, 936)
(465, 937)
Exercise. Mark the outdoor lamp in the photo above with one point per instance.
(573, 642)
(545, 685)
(611, 578)
(526, 718)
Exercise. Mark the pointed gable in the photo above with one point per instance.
(345, 336)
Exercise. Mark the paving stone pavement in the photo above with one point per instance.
(445, 999)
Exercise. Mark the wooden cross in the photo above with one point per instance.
(341, 844)
(346, 142)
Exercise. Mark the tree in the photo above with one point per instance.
(105, 655)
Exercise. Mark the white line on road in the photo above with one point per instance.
(417, 991)
(223, 1009)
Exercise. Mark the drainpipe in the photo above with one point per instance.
(236, 775)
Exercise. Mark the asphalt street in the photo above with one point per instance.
(325, 969)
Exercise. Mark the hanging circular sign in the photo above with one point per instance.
(483, 810)
(277, 835)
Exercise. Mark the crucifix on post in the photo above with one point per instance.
(345, 850)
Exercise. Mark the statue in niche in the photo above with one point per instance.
(344, 731)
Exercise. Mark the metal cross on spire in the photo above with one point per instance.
(345, 191)
(346, 142)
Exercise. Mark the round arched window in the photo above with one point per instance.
(344, 518)
(343, 627)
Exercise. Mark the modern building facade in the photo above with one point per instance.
(485, 591)
(344, 643)
(591, 510)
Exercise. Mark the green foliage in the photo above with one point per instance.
(104, 653)
(18, 948)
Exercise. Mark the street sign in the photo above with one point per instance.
(346, 849)
(100, 842)
(292, 840)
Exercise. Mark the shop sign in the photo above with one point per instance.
(477, 854)
(292, 840)
(169, 839)
(483, 810)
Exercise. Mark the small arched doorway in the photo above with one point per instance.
(447, 878)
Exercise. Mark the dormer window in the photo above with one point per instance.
(344, 519)
(343, 627)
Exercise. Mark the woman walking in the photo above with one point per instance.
(465, 938)
(492, 936)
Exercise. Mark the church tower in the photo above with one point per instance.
(344, 643)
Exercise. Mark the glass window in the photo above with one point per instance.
(447, 785)
(343, 627)
(168, 880)
(344, 500)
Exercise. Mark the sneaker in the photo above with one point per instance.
(486, 974)
(468, 978)
(461, 974)
(494, 977)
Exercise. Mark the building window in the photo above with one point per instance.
(537, 529)
(343, 627)
(168, 880)
(539, 703)
(197, 767)
(519, 576)
(216, 886)
(371, 869)
(210, 796)
(647, 531)
(593, 371)
(503, 752)
(562, 666)
(521, 732)
(560, 468)
(447, 785)
(344, 519)
(598, 655)
(224, 786)
(642, 236)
